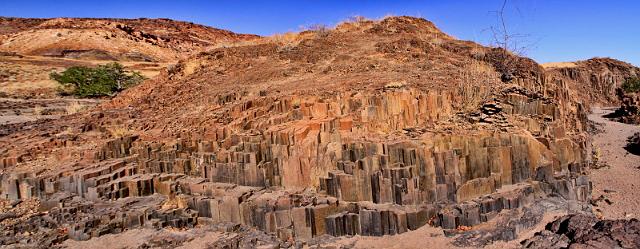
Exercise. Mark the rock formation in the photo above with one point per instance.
(594, 80)
(598, 81)
(374, 128)
(633, 143)
(583, 231)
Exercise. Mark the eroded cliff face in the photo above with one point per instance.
(350, 139)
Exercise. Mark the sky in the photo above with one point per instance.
(552, 30)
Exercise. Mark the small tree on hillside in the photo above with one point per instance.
(103, 80)
(631, 85)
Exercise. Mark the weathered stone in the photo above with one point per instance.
(579, 231)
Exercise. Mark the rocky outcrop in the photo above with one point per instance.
(633, 143)
(584, 231)
(595, 80)
(629, 110)
(361, 135)
(316, 176)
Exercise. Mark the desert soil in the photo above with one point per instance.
(27, 77)
(27, 93)
(619, 180)
(24, 110)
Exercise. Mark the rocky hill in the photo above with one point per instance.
(372, 128)
(594, 80)
(158, 40)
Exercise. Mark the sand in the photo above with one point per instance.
(620, 181)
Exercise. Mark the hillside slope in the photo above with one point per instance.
(159, 40)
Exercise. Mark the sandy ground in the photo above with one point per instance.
(620, 181)
(138, 238)
(23, 110)
(424, 237)
(27, 93)
(28, 76)
(433, 237)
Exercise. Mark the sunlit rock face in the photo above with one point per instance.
(298, 150)
(365, 164)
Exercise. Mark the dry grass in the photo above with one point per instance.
(295, 103)
(475, 83)
(38, 110)
(358, 19)
(74, 107)
(320, 30)
(119, 131)
(233, 44)
(22, 86)
(471, 96)
(481, 70)
(478, 53)
(436, 40)
(354, 23)
(286, 40)
(291, 39)
(395, 84)
(559, 65)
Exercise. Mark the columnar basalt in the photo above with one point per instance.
(594, 80)
(381, 158)
(312, 170)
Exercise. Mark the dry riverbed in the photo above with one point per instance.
(618, 182)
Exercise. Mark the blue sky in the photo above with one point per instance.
(557, 30)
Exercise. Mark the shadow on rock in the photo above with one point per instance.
(633, 144)
(586, 231)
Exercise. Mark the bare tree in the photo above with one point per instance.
(511, 44)
(321, 30)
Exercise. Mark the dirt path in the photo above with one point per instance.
(620, 181)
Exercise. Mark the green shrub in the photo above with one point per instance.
(103, 80)
(631, 85)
